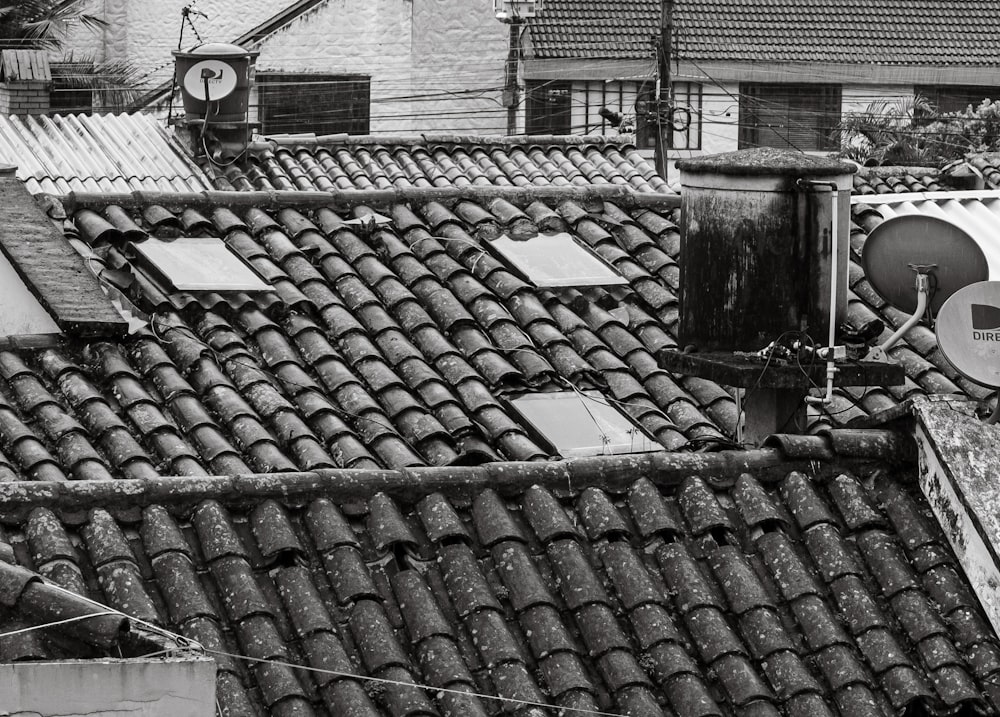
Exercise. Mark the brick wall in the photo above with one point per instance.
(24, 98)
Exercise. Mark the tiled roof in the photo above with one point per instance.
(791, 596)
(392, 345)
(899, 181)
(381, 345)
(97, 153)
(383, 162)
(623, 29)
(888, 32)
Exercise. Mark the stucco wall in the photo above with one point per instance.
(109, 688)
(435, 65)
(145, 31)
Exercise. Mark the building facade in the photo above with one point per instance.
(326, 66)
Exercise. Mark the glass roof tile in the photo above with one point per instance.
(199, 264)
(556, 260)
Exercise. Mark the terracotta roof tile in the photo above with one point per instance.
(882, 32)
(589, 611)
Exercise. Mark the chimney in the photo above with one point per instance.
(25, 82)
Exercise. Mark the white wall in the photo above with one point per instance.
(145, 31)
(168, 687)
(435, 65)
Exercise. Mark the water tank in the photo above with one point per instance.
(757, 249)
(215, 79)
(955, 240)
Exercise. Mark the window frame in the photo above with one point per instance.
(792, 105)
(558, 121)
(274, 86)
(65, 86)
(933, 93)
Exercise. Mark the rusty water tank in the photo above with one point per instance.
(214, 80)
(756, 247)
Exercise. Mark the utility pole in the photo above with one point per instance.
(510, 90)
(662, 115)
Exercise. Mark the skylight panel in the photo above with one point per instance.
(202, 264)
(556, 260)
(21, 314)
(582, 423)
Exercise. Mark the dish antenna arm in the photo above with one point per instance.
(922, 284)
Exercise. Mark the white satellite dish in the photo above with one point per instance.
(955, 256)
(968, 332)
(217, 76)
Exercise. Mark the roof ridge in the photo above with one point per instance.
(449, 138)
(834, 451)
(277, 199)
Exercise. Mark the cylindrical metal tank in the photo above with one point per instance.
(215, 81)
(756, 247)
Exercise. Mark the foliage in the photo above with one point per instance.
(912, 132)
(112, 83)
(40, 24)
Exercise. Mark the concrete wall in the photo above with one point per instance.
(109, 688)
(435, 65)
(144, 32)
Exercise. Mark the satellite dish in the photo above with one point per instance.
(957, 258)
(968, 332)
(220, 77)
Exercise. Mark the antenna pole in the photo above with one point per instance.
(663, 94)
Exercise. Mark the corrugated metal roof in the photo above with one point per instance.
(97, 153)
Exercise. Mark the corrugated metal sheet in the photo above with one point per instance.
(97, 153)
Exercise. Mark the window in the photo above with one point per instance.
(581, 423)
(554, 260)
(685, 124)
(955, 98)
(324, 104)
(790, 116)
(550, 107)
(71, 91)
(203, 264)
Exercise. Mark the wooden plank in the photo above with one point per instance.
(51, 268)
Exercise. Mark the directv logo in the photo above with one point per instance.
(984, 318)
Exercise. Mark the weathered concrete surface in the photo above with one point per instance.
(434, 64)
(145, 32)
(167, 687)
(959, 461)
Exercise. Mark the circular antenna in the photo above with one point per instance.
(220, 78)
(898, 244)
(968, 332)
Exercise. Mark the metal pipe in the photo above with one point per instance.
(831, 367)
(923, 290)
